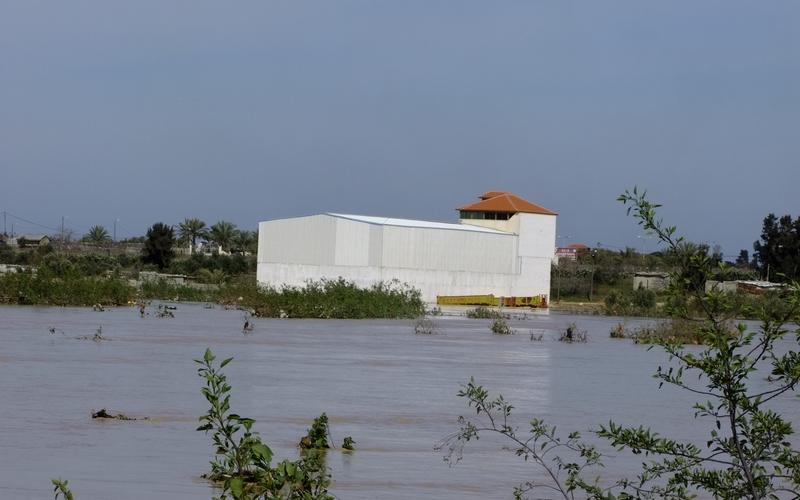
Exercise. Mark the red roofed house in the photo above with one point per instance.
(502, 246)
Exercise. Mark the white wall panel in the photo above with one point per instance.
(352, 243)
(300, 240)
(447, 250)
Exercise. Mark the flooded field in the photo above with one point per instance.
(392, 391)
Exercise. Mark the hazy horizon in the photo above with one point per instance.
(153, 111)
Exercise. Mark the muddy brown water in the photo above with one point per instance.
(392, 391)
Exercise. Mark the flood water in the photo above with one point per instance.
(392, 391)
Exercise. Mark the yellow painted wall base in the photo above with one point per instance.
(491, 300)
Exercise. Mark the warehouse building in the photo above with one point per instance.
(502, 246)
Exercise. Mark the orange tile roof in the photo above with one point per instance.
(503, 201)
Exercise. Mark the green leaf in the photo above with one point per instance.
(237, 487)
(262, 451)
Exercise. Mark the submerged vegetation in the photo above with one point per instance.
(318, 436)
(63, 287)
(242, 464)
(748, 454)
(571, 334)
(483, 312)
(500, 327)
(335, 299)
(64, 282)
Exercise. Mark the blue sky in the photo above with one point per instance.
(245, 111)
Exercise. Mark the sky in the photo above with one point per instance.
(157, 110)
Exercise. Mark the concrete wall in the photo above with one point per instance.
(430, 283)
(655, 283)
(537, 236)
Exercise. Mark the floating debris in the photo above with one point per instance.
(103, 413)
(97, 337)
(248, 327)
(165, 311)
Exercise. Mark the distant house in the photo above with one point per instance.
(570, 252)
(32, 240)
(651, 280)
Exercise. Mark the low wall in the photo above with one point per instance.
(430, 282)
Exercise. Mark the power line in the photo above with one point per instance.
(30, 221)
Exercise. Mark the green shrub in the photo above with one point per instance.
(317, 436)
(483, 312)
(500, 327)
(63, 285)
(337, 298)
(161, 289)
(640, 302)
(242, 463)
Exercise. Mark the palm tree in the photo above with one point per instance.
(222, 233)
(97, 235)
(190, 230)
(245, 242)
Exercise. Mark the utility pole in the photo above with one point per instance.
(62, 233)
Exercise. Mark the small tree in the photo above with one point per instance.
(778, 251)
(159, 245)
(747, 455)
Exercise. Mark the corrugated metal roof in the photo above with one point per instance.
(388, 221)
(500, 201)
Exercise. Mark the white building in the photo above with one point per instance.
(503, 246)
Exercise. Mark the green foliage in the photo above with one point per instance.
(748, 454)
(222, 233)
(640, 302)
(348, 444)
(245, 242)
(242, 463)
(63, 285)
(215, 277)
(97, 235)
(317, 436)
(483, 312)
(337, 298)
(190, 230)
(670, 330)
(563, 458)
(778, 251)
(159, 245)
(500, 327)
(162, 289)
(61, 489)
(231, 265)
